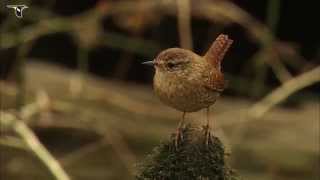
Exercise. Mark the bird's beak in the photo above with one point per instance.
(149, 63)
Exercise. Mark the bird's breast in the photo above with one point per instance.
(184, 94)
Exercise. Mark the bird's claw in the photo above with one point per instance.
(179, 137)
(207, 134)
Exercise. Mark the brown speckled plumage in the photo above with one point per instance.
(189, 82)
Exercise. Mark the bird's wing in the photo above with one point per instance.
(215, 81)
(218, 50)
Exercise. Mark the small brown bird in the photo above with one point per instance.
(189, 82)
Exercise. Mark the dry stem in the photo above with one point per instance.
(29, 138)
(184, 23)
(285, 90)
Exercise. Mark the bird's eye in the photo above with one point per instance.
(171, 65)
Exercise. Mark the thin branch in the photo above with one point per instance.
(12, 142)
(184, 23)
(278, 67)
(28, 111)
(10, 121)
(285, 90)
(222, 11)
(131, 44)
(110, 137)
(78, 83)
(76, 156)
(272, 58)
(274, 61)
(273, 11)
(117, 142)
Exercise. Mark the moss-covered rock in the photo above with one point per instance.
(192, 159)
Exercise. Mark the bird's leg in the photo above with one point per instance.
(207, 127)
(179, 135)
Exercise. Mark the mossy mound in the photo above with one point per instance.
(192, 159)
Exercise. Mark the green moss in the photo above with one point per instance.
(192, 159)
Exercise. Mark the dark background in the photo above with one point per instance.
(297, 24)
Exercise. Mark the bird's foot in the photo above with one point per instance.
(179, 137)
(207, 134)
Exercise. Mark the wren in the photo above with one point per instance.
(189, 82)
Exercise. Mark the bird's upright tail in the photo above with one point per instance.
(218, 50)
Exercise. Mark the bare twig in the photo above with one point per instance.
(28, 111)
(29, 138)
(224, 11)
(78, 83)
(20, 71)
(184, 23)
(75, 156)
(282, 92)
(110, 137)
(131, 44)
(274, 61)
(273, 12)
(278, 67)
(115, 139)
(12, 142)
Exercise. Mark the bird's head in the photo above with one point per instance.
(174, 61)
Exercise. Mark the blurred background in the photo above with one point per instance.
(76, 103)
